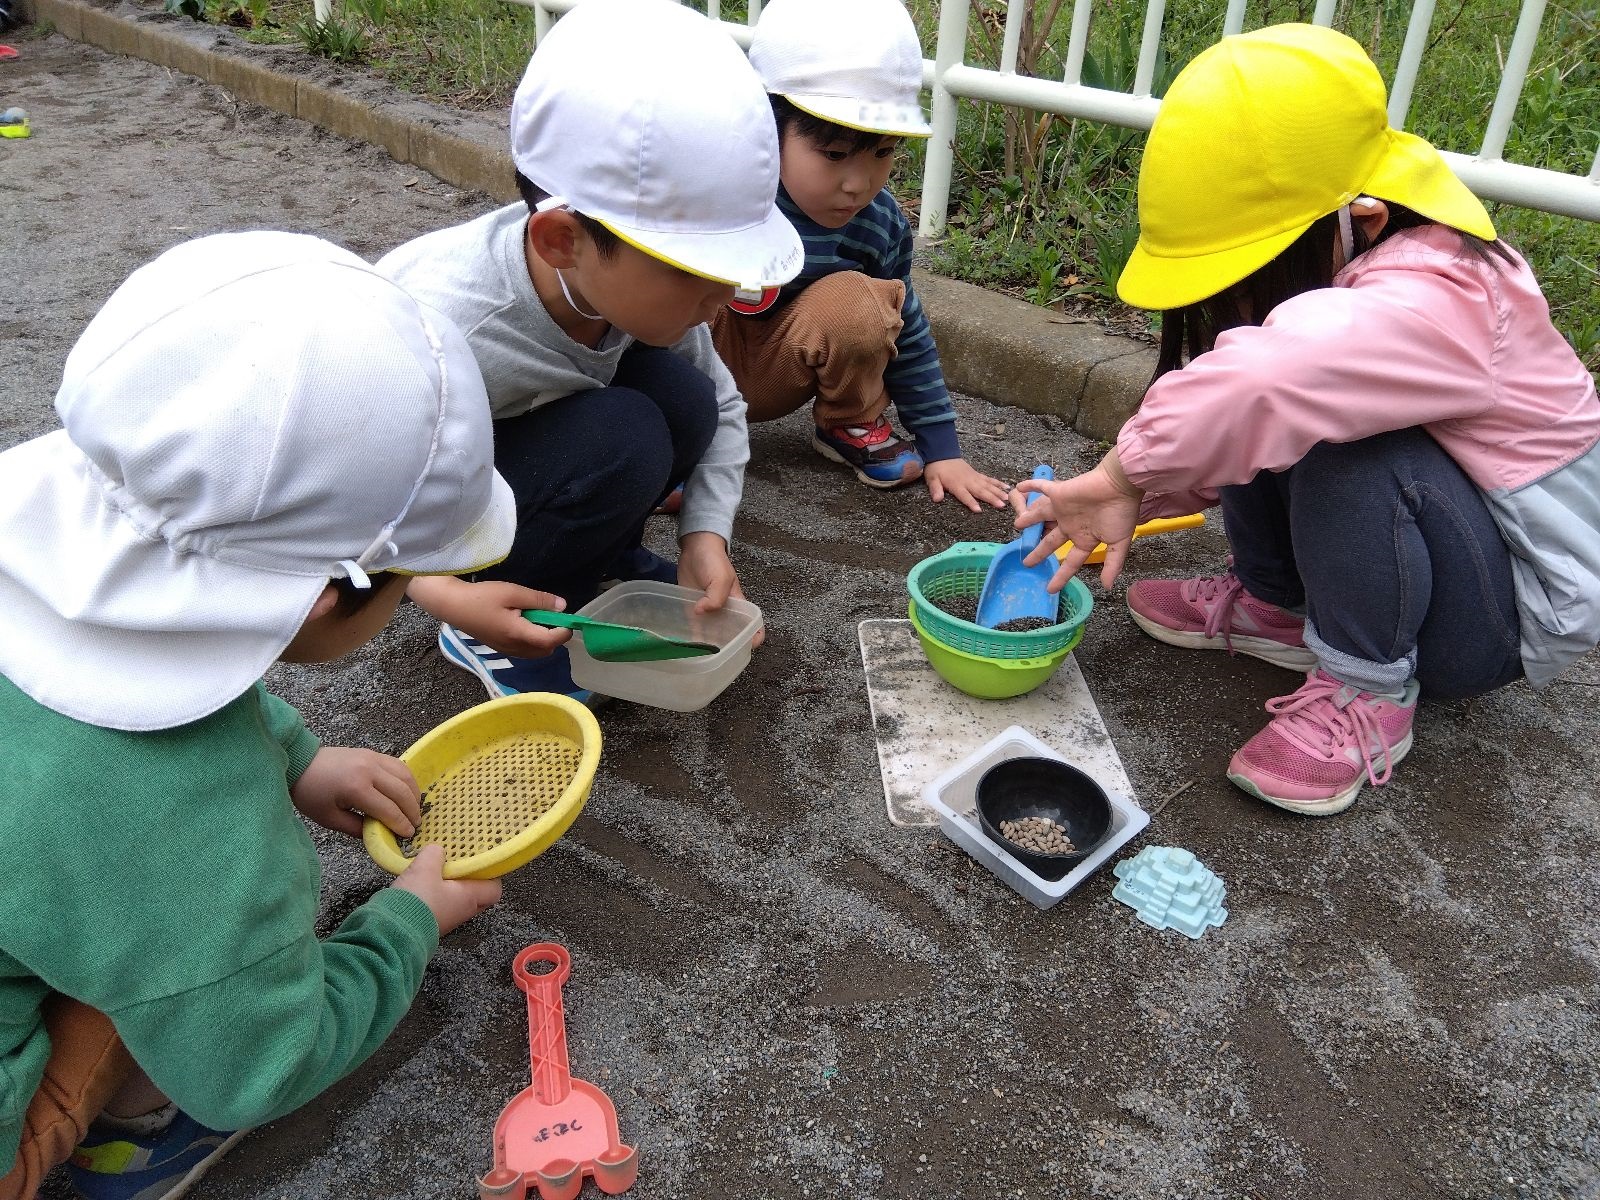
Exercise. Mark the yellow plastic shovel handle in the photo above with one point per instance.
(1159, 525)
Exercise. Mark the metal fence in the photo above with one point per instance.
(949, 78)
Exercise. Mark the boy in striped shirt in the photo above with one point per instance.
(844, 77)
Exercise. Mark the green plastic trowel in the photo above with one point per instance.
(621, 643)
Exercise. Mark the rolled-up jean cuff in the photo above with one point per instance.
(1388, 677)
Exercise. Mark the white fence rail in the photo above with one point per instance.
(950, 79)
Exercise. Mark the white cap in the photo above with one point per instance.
(248, 416)
(856, 63)
(646, 117)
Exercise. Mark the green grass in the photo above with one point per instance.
(1043, 207)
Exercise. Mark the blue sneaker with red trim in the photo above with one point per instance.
(880, 457)
(111, 1164)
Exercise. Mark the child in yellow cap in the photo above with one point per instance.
(1403, 446)
(844, 77)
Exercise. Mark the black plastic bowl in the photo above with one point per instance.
(1044, 787)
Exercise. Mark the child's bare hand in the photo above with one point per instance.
(959, 478)
(703, 564)
(491, 611)
(453, 902)
(1098, 506)
(342, 785)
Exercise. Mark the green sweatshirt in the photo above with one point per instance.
(165, 879)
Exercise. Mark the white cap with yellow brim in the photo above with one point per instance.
(855, 63)
(646, 117)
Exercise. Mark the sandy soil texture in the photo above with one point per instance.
(785, 996)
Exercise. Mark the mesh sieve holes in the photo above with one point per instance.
(498, 792)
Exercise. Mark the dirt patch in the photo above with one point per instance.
(788, 997)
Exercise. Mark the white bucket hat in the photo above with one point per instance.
(249, 416)
(646, 117)
(856, 63)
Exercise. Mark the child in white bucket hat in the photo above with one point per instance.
(648, 164)
(222, 496)
(845, 77)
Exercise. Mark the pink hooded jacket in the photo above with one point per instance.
(1416, 331)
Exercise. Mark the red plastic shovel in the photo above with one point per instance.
(558, 1129)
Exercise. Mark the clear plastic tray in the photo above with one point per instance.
(683, 684)
(954, 797)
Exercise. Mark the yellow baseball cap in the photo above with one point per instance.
(1258, 137)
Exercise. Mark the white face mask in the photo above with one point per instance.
(561, 278)
(545, 205)
(1347, 238)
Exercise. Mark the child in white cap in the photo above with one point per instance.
(648, 163)
(845, 78)
(221, 498)
(1406, 451)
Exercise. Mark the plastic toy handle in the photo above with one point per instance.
(1031, 535)
(540, 616)
(1157, 525)
(547, 1021)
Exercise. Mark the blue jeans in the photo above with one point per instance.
(1393, 553)
(588, 469)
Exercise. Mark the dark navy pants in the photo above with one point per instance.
(588, 469)
(1396, 558)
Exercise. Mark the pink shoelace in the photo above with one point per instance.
(1223, 591)
(1326, 713)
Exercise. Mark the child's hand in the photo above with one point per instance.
(341, 786)
(1097, 506)
(453, 902)
(703, 564)
(491, 611)
(957, 477)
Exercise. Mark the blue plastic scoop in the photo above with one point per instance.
(1011, 591)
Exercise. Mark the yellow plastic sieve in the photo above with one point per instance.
(500, 783)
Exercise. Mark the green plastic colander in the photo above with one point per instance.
(958, 573)
(990, 678)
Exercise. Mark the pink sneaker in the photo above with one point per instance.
(1322, 746)
(1214, 612)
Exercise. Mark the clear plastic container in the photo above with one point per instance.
(682, 684)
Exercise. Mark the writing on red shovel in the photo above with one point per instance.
(558, 1129)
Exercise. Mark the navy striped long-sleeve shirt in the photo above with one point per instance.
(877, 241)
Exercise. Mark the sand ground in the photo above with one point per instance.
(785, 996)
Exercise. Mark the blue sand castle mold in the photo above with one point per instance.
(1170, 889)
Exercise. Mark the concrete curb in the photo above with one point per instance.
(992, 346)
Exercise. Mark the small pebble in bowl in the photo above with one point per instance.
(1039, 834)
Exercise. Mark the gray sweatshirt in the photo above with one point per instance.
(477, 275)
